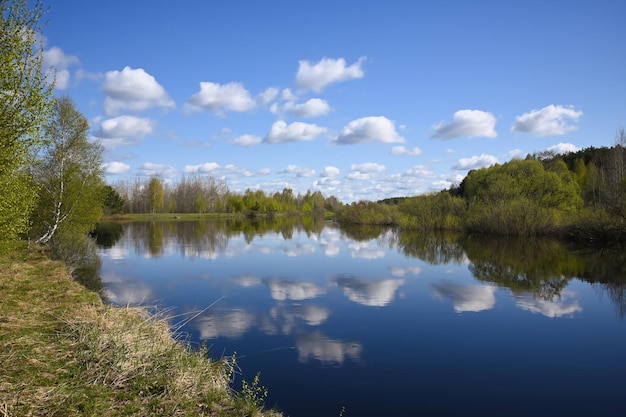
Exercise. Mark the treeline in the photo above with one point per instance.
(202, 194)
(579, 195)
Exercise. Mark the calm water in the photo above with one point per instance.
(388, 324)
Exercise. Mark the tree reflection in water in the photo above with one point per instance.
(539, 267)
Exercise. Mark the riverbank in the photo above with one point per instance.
(63, 352)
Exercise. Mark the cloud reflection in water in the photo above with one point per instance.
(231, 324)
(464, 298)
(326, 350)
(549, 308)
(285, 289)
(369, 293)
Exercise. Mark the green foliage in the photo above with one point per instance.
(440, 211)
(366, 212)
(69, 176)
(520, 197)
(155, 195)
(113, 202)
(25, 97)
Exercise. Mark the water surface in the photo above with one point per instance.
(386, 323)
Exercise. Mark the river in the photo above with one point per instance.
(372, 322)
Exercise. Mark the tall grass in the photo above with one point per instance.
(64, 353)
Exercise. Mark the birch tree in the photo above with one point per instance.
(25, 98)
(69, 175)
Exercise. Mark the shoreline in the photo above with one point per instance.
(63, 351)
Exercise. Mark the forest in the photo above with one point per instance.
(54, 191)
(578, 195)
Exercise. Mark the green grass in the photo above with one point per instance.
(65, 353)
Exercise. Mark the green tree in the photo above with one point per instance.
(113, 202)
(25, 102)
(69, 176)
(155, 195)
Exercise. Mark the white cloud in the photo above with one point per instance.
(329, 172)
(217, 98)
(123, 131)
(150, 169)
(515, 153)
(267, 96)
(550, 121)
(367, 167)
(327, 71)
(133, 89)
(207, 167)
(57, 63)
(465, 164)
(125, 127)
(369, 129)
(311, 108)
(247, 140)
(115, 168)
(419, 171)
(281, 132)
(402, 150)
(563, 148)
(467, 123)
(302, 172)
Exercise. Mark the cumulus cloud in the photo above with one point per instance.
(563, 148)
(369, 129)
(267, 96)
(123, 131)
(115, 168)
(218, 98)
(550, 121)
(484, 160)
(311, 108)
(367, 167)
(419, 171)
(281, 132)
(402, 150)
(247, 140)
(57, 65)
(467, 123)
(329, 172)
(299, 171)
(327, 71)
(150, 169)
(134, 90)
(205, 168)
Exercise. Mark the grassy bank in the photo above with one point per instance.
(65, 353)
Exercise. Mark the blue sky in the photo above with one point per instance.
(356, 99)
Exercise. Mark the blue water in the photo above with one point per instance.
(333, 323)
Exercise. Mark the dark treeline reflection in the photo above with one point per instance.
(541, 267)
(196, 237)
(537, 267)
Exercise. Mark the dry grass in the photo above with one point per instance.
(64, 353)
